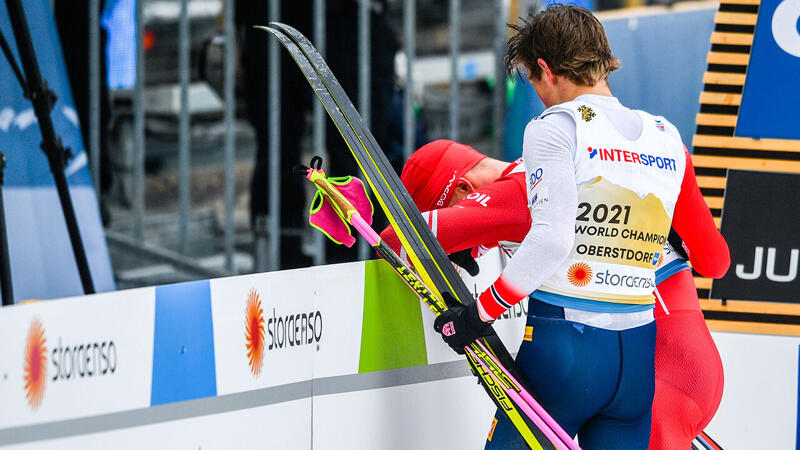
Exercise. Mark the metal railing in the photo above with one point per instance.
(271, 261)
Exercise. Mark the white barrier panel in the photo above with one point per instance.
(343, 356)
(759, 403)
(76, 357)
(443, 414)
(283, 426)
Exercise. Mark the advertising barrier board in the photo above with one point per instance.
(761, 230)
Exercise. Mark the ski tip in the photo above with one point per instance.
(286, 28)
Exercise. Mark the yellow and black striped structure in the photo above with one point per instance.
(716, 149)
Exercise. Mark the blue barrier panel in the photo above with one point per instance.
(183, 348)
(42, 262)
(771, 97)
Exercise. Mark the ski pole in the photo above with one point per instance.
(476, 350)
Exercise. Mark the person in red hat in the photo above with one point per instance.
(445, 173)
(456, 185)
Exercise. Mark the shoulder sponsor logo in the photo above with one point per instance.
(579, 274)
(587, 114)
(660, 125)
(254, 333)
(539, 199)
(35, 364)
(625, 156)
(536, 199)
(535, 178)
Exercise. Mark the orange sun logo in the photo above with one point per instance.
(254, 332)
(35, 364)
(579, 274)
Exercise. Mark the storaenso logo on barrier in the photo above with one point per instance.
(275, 332)
(294, 329)
(254, 333)
(35, 364)
(83, 360)
(69, 362)
(761, 230)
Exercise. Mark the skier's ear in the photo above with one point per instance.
(546, 72)
(464, 186)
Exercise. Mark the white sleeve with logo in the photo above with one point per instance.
(548, 148)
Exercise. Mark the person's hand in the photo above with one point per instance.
(460, 325)
(465, 260)
(677, 244)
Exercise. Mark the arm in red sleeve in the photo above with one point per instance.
(496, 212)
(707, 249)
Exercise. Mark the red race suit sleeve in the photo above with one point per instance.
(496, 212)
(707, 249)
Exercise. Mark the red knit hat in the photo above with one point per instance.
(430, 174)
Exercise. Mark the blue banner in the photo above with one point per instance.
(771, 97)
(42, 262)
(183, 348)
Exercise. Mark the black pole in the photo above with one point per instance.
(43, 99)
(5, 266)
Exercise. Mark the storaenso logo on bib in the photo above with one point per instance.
(612, 279)
(293, 330)
(579, 274)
